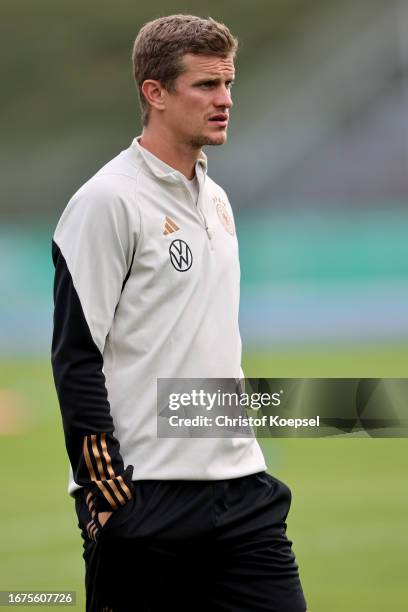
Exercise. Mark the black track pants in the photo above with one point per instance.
(201, 546)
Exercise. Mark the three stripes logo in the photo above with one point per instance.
(170, 226)
(180, 255)
(99, 464)
(91, 528)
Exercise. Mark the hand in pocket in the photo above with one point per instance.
(103, 517)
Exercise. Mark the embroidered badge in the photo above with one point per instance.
(224, 215)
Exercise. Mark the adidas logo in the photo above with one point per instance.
(170, 226)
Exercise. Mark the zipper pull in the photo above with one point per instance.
(208, 232)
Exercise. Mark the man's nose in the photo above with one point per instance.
(223, 98)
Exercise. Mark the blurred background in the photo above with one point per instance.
(316, 170)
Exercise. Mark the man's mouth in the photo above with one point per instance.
(220, 119)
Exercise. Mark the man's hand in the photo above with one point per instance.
(103, 517)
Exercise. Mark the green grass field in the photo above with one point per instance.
(350, 496)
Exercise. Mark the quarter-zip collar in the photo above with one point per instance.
(158, 167)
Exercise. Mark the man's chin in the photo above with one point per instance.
(210, 139)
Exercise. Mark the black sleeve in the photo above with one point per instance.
(77, 363)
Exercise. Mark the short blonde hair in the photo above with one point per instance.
(161, 44)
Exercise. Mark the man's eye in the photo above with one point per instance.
(211, 84)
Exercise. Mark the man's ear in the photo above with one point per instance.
(154, 93)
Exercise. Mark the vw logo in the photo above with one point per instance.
(180, 255)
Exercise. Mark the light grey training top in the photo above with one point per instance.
(147, 286)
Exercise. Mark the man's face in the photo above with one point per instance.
(197, 109)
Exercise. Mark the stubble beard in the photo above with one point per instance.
(197, 142)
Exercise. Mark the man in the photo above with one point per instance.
(147, 287)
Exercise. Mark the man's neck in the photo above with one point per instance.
(181, 157)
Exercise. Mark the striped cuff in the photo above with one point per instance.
(110, 490)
